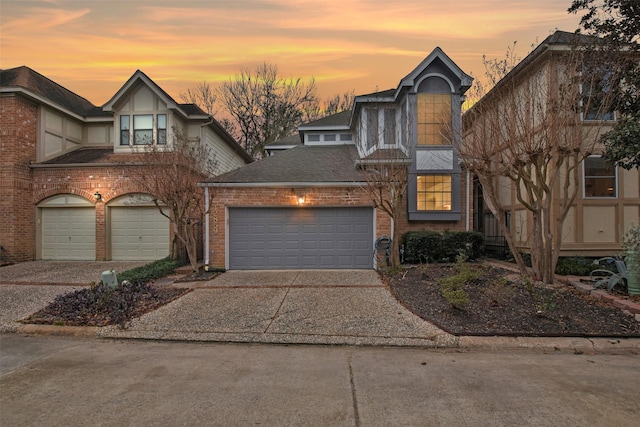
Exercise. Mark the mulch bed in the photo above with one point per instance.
(502, 304)
(101, 306)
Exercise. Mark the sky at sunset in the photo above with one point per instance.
(93, 46)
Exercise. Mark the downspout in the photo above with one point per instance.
(468, 209)
(206, 228)
(206, 204)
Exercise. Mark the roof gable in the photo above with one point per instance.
(141, 78)
(437, 55)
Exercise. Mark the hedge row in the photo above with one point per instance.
(146, 273)
(431, 246)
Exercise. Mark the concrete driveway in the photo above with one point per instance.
(308, 306)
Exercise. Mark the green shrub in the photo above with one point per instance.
(575, 266)
(431, 246)
(146, 273)
(452, 287)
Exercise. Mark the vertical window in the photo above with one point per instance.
(434, 119)
(599, 178)
(389, 126)
(434, 193)
(595, 90)
(403, 123)
(372, 127)
(143, 129)
(162, 129)
(125, 126)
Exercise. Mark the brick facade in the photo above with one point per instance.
(18, 124)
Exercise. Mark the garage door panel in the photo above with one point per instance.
(300, 238)
(138, 233)
(68, 234)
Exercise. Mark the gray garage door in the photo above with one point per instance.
(300, 238)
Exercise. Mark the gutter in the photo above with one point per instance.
(82, 165)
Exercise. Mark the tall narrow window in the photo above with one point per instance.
(596, 93)
(143, 129)
(599, 178)
(372, 127)
(434, 119)
(162, 129)
(434, 193)
(125, 127)
(390, 126)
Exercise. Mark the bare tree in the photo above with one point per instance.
(386, 174)
(203, 96)
(266, 107)
(528, 135)
(170, 175)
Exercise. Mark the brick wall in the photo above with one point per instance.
(110, 182)
(18, 135)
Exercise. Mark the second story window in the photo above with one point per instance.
(599, 178)
(162, 129)
(595, 90)
(143, 129)
(125, 127)
(434, 119)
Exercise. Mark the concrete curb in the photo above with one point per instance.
(70, 331)
(575, 345)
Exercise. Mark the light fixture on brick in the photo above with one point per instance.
(97, 195)
(300, 197)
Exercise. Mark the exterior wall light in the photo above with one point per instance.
(300, 195)
(97, 195)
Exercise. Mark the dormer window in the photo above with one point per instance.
(144, 131)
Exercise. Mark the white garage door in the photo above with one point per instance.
(68, 234)
(300, 238)
(138, 233)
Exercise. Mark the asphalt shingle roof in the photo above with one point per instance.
(339, 119)
(35, 82)
(93, 155)
(304, 163)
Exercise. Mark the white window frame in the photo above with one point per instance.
(584, 181)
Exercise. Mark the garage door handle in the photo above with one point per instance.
(69, 238)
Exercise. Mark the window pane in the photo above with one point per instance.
(143, 122)
(330, 138)
(124, 129)
(434, 119)
(142, 137)
(599, 178)
(372, 127)
(143, 129)
(434, 193)
(162, 129)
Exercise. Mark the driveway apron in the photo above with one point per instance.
(307, 306)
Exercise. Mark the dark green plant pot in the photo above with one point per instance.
(633, 274)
